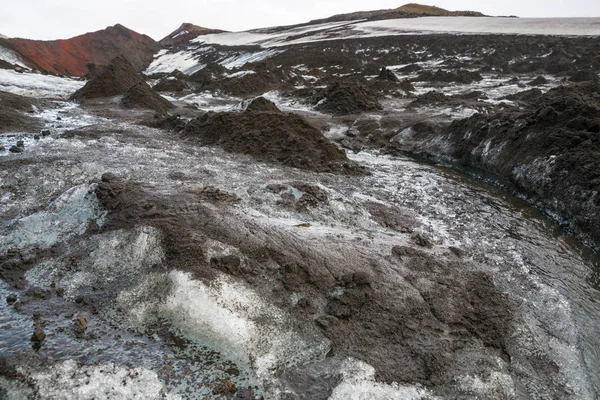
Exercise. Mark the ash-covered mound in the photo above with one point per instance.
(584, 76)
(460, 76)
(174, 82)
(141, 95)
(114, 79)
(551, 150)
(526, 96)
(260, 104)
(387, 75)
(348, 97)
(12, 113)
(271, 136)
(540, 80)
(211, 72)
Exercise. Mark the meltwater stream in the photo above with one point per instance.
(199, 341)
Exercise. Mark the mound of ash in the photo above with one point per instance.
(206, 75)
(387, 75)
(113, 80)
(12, 113)
(460, 76)
(551, 150)
(540, 80)
(432, 98)
(348, 97)
(584, 76)
(271, 136)
(260, 104)
(174, 82)
(141, 95)
(527, 96)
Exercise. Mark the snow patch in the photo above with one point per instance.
(37, 85)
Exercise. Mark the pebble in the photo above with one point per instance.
(38, 335)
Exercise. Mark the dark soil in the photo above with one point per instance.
(115, 79)
(459, 76)
(211, 72)
(348, 97)
(171, 123)
(526, 96)
(540, 80)
(271, 136)
(262, 104)
(13, 117)
(141, 95)
(413, 333)
(171, 84)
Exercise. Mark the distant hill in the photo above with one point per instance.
(425, 10)
(74, 56)
(185, 33)
(3, 37)
(411, 10)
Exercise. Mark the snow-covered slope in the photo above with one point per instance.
(10, 57)
(234, 49)
(37, 85)
(3, 37)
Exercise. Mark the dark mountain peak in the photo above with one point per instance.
(185, 33)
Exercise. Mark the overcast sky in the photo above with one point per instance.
(60, 19)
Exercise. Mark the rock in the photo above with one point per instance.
(11, 299)
(20, 143)
(80, 326)
(58, 118)
(45, 133)
(387, 75)
(36, 137)
(16, 149)
(38, 335)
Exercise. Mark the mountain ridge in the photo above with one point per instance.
(76, 56)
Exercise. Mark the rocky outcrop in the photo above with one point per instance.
(185, 33)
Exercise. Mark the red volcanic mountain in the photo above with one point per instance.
(74, 56)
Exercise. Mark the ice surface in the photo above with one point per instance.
(168, 62)
(67, 216)
(37, 85)
(358, 383)
(68, 381)
(223, 315)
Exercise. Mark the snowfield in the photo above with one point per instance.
(37, 85)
